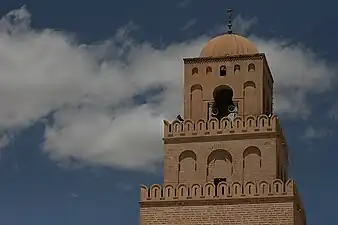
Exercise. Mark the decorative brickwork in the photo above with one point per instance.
(268, 213)
(224, 190)
(248, 124)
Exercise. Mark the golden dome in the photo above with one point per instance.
(227, 45)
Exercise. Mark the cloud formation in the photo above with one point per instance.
(90, 89)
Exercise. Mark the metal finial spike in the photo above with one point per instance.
(229, 11)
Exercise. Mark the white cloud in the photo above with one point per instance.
(90, 88)
(131, 139)
(297, 72)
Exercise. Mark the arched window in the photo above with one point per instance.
(237, 68)
(208, 70)
(251, 67)
(222, 71)
(194, 71)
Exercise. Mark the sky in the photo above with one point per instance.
(79, 80)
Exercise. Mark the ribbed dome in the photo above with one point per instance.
(227, 45)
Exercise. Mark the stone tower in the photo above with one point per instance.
(226, 161)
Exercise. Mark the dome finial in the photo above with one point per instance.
(229, 11)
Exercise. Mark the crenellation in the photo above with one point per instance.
(212, 127)
(224, 190)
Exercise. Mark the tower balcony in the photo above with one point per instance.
(224, 127)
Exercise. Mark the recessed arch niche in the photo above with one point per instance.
(250, 98)
(219, 165)
(186, 165)
(252, 162)
(196, 101)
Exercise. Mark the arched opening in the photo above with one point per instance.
(194, 71)
(223, 104)
(223, 71)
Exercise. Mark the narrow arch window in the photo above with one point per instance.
(237, 68)
(194, 71)
(222, 71)
(208, 70)
(251, 67)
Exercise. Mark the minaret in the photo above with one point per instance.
(226, 162)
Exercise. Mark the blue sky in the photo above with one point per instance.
(77, 77)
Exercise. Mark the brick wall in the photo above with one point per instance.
(244, 214)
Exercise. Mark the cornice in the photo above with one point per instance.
(225, 137)
(259, 56)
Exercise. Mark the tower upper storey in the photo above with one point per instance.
(229, 78)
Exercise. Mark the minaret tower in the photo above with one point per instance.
(226, 160)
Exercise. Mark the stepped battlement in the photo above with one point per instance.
(248, 124)
(224, 190)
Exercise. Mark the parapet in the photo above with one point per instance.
(248, 124)
(224, 190)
